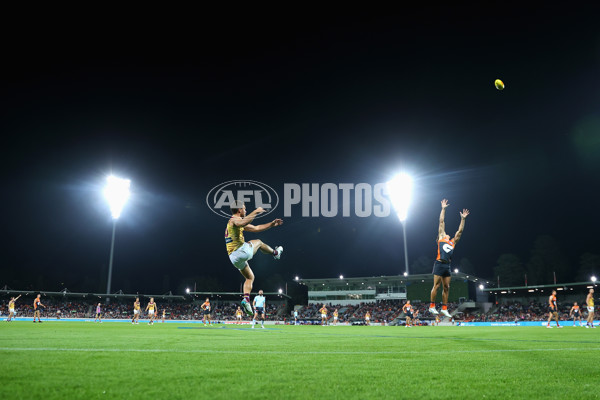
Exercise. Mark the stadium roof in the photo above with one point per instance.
(540, 288)
(385, 279)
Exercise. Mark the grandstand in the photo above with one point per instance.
(354, 291)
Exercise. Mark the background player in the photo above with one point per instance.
(11, 308)
(295, 317)
(589, 300)
(368, 318)
(98, 313)
(576, 314)
(407, 309)
(37, 306)
(163, 315)
(152, 309)
(553, 309)
(238, 316)
(323, 311)
(206, 311)
(136, 311)
(335, 316)
(441, 267)
(259, 309)
(240, 252)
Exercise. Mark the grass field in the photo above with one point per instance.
(82, 360)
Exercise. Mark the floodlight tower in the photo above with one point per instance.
(399, 190)
(116, 193)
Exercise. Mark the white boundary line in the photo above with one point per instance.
(199, 351)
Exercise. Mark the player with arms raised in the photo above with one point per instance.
(11, 308)
(240, 252)
(441, 267)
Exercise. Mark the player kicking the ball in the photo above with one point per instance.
(441, 267)
(240, 252)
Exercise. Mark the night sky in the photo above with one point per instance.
(181, 108)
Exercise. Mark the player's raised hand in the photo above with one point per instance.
(464, 213)
(277, 222)
(259, 210)
(445, 203)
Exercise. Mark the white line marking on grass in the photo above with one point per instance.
(196, 351)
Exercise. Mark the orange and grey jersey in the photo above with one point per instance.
(552, 302)
(445, 250)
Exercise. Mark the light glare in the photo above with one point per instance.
(399, 191)
(116, 193)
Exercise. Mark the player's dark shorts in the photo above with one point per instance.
(441, 269)
(551, 310)
(206, 312)
(576, 314)
(259, 310)
(409, 315)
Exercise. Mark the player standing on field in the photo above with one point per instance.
(552, 309)
(589, 300)
(136, 311)
(238, 316)
(152, 309)
(98, 313)
(259, 309)
(407, 309)
(441, 267)
(240, 252)
(37, 306)
(206, 311)
(575, 313)
(323, 312)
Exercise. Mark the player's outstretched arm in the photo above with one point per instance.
(248, 218)
(263, 227)
(461, 228)
(442, 227)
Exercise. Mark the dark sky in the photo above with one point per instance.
(181, 107)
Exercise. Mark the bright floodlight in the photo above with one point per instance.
(399, 191)
(341, 276)
(187, 290)
(456, 270)
(280, 291)
(480, 287)
(406, 274)
(297, 278)
(593, 279)
(116, 193)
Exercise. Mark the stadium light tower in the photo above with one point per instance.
(593, 279)
(116, 193)
(399, 191)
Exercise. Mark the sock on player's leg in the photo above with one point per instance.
(431, 305)
(247, 297)
(444, 307)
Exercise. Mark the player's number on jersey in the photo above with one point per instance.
(447, 248)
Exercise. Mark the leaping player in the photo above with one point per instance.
(441, 267)
(240, 252)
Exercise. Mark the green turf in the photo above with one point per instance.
(82, 360)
